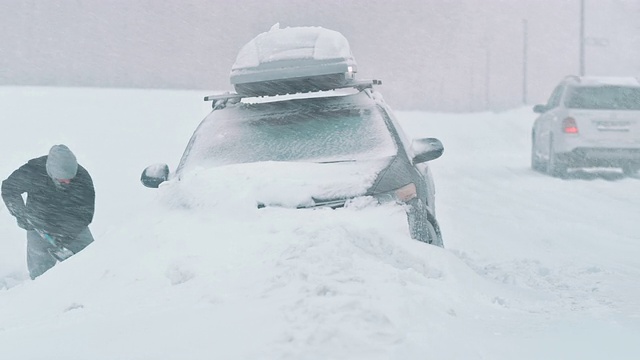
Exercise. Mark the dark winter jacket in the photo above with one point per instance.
(56, 210)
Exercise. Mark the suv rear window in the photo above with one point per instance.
(604, 98)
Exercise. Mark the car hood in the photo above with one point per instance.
(286, 184)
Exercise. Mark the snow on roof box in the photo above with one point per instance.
(291, 60)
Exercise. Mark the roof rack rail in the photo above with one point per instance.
(225, 96)
(362, 84)
(220, 100)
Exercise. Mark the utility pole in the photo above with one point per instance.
(582, 70)
(525, 44)
(487, 79)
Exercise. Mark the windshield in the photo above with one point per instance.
(309, 130)
(604, 98)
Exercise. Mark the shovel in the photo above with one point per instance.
(58, 251)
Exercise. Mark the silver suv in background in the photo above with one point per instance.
(588, 122)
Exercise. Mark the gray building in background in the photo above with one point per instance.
(460, 55)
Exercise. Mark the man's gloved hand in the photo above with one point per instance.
(23, 222)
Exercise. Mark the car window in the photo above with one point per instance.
(554, 100)
(604, 98)
(316, 130)
(397, 128)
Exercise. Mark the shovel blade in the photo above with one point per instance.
(60, 253)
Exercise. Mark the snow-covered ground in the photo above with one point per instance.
(533, 267)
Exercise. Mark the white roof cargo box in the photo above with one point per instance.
(291, 60)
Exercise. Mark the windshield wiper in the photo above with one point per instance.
(335, 161)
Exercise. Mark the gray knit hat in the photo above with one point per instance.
(61, 163)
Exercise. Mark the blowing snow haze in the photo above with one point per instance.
(221, 263)
(460, 55)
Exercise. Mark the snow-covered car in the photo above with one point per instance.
(588, 122)
(297, 102)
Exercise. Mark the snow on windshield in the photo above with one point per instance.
(310, 130)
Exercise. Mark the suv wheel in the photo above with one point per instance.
(536, 163)
(555, 167)
(422, 226)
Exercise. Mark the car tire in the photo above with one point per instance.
(536, 163)
(555, 167)
(422, 226)
(434, 230)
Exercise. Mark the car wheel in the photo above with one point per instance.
(555, 167)
(536, 163)
(422, 226)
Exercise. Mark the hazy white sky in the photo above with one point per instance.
(441, 55)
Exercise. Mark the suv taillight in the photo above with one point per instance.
(569, 126)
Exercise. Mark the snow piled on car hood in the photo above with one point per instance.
(286, 184)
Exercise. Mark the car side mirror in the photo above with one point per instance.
(539, 109)
(426, 150)
(155, 175)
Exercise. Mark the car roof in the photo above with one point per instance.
(287, 103)
(348, 88)
(603, 80)
(293, 62)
